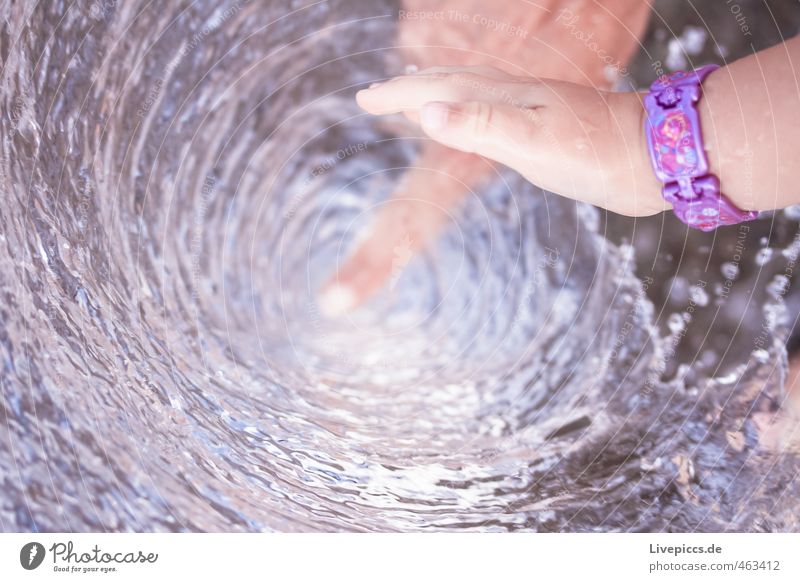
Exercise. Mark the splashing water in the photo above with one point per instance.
(177, 183)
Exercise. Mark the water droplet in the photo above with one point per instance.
(791, 252)
(763, 256)
(698, 295)
(727, 378)
(676, 58)
(792, 212)
(678, 289)
(761, 356)
(778, 286)
(676, 323)
(730, 270)
(693, 39)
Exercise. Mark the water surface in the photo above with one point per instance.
(178, 180)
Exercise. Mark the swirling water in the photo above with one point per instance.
(178, 180)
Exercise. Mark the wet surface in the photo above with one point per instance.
(178, 181)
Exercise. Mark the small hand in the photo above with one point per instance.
(570, 139)
(413, 217)
(551, 41)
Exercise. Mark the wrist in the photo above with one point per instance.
(639, 185)
(721, 124)
(679, 151)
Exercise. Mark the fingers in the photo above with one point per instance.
(399, 230)
(363, 275)
(499, 132)
(475, 110)
(451, 84)
(402, 227)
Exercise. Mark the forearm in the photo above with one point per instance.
(750, 117)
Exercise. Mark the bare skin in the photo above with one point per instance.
(751, 127)
(576, 41)
(577, 141)
(588, 144)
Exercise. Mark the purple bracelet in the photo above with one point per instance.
(676, 149)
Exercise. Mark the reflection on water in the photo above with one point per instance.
(178, 181)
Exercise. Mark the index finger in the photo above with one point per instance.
(411, 92)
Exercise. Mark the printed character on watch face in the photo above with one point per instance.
(674, 140)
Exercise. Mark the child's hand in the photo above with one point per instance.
(546, 45)
(569, 139)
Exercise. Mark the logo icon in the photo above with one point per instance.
(31, 555)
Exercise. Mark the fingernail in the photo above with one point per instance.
(378, 84)
(337, 301)
(433, 116)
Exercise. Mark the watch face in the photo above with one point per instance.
(674, 142)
